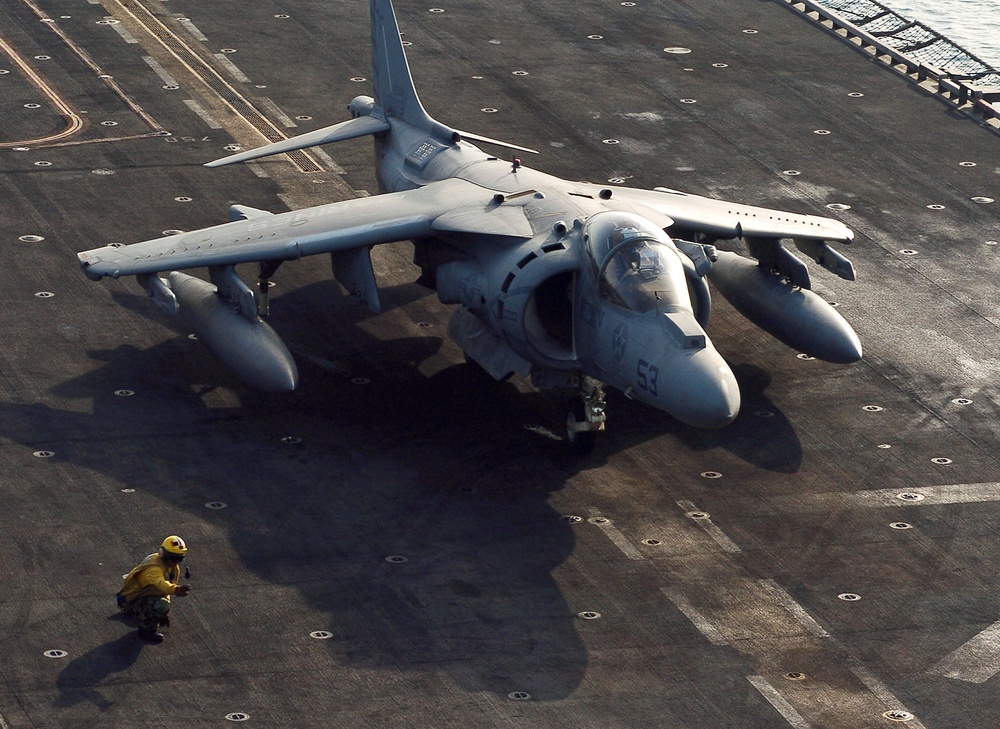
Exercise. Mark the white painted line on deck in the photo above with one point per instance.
(204, 115)
(277, 113)
(976, 661)
(711, 529)
(881, 691)
(778, 701)
(328, 161)
(956, 493)
(691, 613)
(120, 30)
(192, 29)
(231, 67)
(798, 612)
(257, 170)
(619, 539)
(719, 536)
(3, 724)
(160, 71)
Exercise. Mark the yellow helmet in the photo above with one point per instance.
(174, 545)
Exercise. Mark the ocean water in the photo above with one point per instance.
(972, 24)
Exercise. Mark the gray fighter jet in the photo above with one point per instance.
(573, 284)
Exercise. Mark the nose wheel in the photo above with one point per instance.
(586, 416)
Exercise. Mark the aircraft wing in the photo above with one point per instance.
(761, 228)
(451, 205)
(731, 220)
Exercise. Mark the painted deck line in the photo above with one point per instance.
(691, 613)
(976, 661)
(233, 69)
(711, 529)
(956, 493)
(798, 612)
(192, 29)
(327, 160)
(160, 71)
(202, 114)
(617, 538)
(881, 691)
(778, 701)
(120, 30)
(275, 110)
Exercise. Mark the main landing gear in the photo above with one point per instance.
(586, 416)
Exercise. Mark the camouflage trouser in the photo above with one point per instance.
(151, 611)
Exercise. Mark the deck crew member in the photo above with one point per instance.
(148, 587)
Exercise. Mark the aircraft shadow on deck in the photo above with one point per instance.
(319, 323)
(761, 435)
(476, 598)
(437, 469)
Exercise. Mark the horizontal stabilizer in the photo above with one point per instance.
(350, 129)
(499, 143)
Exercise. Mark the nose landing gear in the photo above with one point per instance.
(586, 416)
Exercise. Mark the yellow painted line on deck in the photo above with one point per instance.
(74, 121)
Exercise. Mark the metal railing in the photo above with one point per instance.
(913, 49)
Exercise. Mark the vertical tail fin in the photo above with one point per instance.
(393, 86)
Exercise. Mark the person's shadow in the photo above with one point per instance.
(83, 676)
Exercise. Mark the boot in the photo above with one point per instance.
(150, 635)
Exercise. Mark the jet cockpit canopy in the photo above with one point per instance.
(636, 264)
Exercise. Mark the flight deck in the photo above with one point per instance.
(401, 542)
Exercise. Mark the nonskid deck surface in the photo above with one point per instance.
(398, 542)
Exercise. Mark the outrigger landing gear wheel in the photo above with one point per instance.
(586, 416)
(580, 440)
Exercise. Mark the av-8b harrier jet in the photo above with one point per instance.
(575, 285)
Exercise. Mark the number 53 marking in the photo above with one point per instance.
(646, 374)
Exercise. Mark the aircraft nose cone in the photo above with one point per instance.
(706, 394)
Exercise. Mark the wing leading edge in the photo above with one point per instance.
(761, 228)
(327, 228)
(731, 220)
